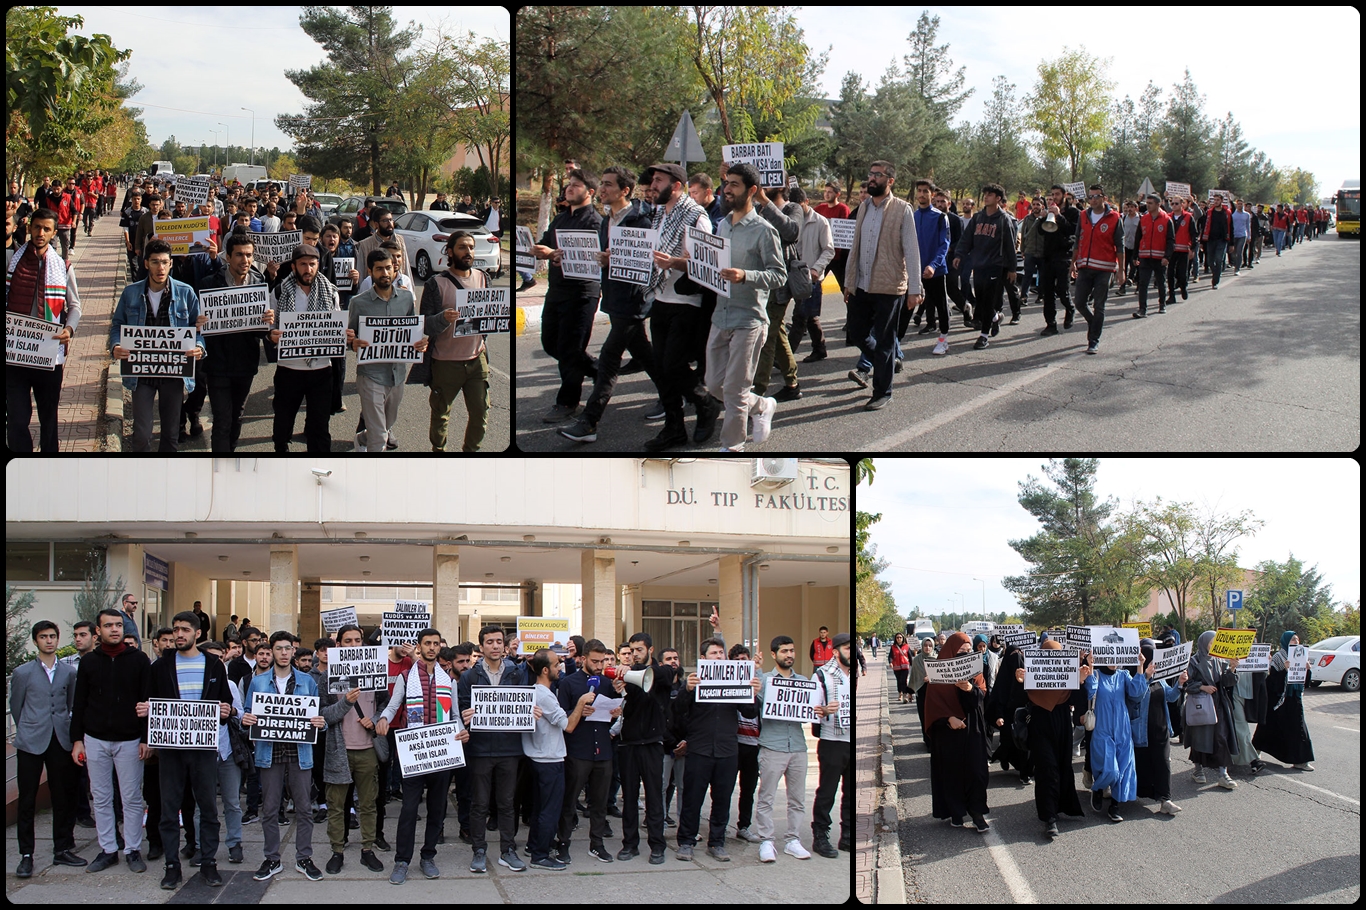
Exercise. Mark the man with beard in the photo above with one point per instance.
(382, 224)
(190, 674)
(379, 385)
(1053, 265)
(642, 743)
(303, 289)
(832, 752)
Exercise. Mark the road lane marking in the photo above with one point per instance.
(1295, 780)
(1348, 729)
(1020, 891)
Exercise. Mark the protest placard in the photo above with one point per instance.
(978, 627)
(1018, 639)
(842, 232)
(724, 682)
(185, 235)
(175, 724)
(192, 191)
(503, 708)
(1169, 662)
(364, 668)
(842, 695)
(341, 272)
(1232, 643)
(526, 259)
(954, 669)
(1078, 190)
(391, 339)
(156, 350)
(707, 256)
(412, 606)
(1297, 667)
(235, 309)
(400, 628)
(1178, 190)
(580, 255)
(335, 619)
(277, 247)
(791, 699)
(283, 718)
(1258, 660)
(1114, 647)
(483, 311)
(767, 158)
(1224, 194)
(315, 334)
(297, 181)
(422, 750)
(632, 254)
(791, 182)
(603, 707)
(1004, 627)
(1047, 668)
(1078, 637)
(536, 632)
(1059, 635)
(31, 342)
(1145, 629)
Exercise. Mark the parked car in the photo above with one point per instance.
(1336, 660)
(351, 205)
(328, 202)
(425, 232)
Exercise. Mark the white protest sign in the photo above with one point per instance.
(767, 158)
(602, 709)
(580, 255)
(300, 180)
(1224, 194)
(526, 259)
(842, 231)
(483, 311)
(707, 256)
(389, 339)
(175, 724)
(791, 699)
(1112, 647)
(632, 254)
(842, 715)
(536, 632)
(362, 667)
(277, 247)
(235, 309)
(402, 628)
(1259, 661)
(156, 350)
(315, 334)
(724, 682)
(283, 718)
(1077, 189)
(1181, 190)
(1297, 667)
(341, 272)
(192, 191)
(1168, 662)
(1003, 627)
(412, 606)
(335, 619)
(422, 750)
(978, 627)
(1057, 635)
(1052, 668)
(503, 708)
(31, 342)
(954, 669)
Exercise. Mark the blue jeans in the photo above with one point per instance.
(1217, 250)
(866, 366)
(229, 784)
(1278, 235)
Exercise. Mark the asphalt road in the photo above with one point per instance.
(1283, 836)
(1271, 361)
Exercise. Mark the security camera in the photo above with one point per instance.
(320, 473)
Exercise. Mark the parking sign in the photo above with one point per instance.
(1235, 600)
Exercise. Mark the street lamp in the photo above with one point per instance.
(984, 597)
(253, 134)
(227, 137)
(215, 146)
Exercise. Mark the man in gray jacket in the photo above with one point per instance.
(379, 385)
(40, 696)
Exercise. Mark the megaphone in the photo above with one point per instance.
(1050, 224)
(640, 678)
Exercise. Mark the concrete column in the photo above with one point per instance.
(223, 597)
(600, 604)
(310, 604)
(730, 601)
(534, 599)
(284, 588)
(446, 591)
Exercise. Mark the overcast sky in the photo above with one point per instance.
(199, 65)
(1310, 118)
(947, 521)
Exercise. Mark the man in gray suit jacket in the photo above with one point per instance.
(40, 697)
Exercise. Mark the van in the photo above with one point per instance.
(161, 169)
(920, 628)
(243, 173)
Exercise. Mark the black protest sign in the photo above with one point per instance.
(283, 718)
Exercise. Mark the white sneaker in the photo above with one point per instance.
(1227, 782)
(941, 348)
(1199, 776)
(766, 852)
(360, 441)
(795, 848)
(1305, 766)
(763, 421)
(1169, 807)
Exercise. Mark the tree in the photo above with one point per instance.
(1070, 106)
(17, 636)
(1262, 178)
(863, 522)
(1119, 165)
(1232, 156)
(939, 88)
(848, 119)
(1187, 141)
(1173, 534)
(1290, 597)
(997, 154)
(1218, 561)
(468, 79)
(97, 593)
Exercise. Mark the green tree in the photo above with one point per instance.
(1290, 597)
(1262, 178)
(929, 68)
(1119, 164)
(1070, 106)
(470, 81)
(1147, 126)
(97, 593)
(997, 154)
(17, 608)
(865, 559)
(1233, 156)
(1187, 138)
(1217, 565)
(1173, 535)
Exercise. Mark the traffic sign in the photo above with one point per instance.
(685, 145)
(1235, 600)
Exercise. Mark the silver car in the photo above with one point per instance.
(424, 234)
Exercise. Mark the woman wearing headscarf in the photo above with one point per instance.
(1249, 707)
(1112, 741)
(990, 661)
(1284, 735)
(958, 743)
(900, 658)
(1212, 745)
(1170, 639)
(917, 682)
(1152, 734)
(1006, 695)
(1050, 749)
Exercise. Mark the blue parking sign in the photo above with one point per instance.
(1235, 600)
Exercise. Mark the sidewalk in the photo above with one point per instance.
(878, 851)
(99, 263)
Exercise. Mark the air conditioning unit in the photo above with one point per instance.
(773, 471)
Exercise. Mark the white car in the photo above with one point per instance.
(424, 234)
(328, 202)
(1336, 660)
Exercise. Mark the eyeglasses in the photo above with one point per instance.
(872, 174)
(1096, 196)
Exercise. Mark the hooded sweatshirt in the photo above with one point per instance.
(988, 242)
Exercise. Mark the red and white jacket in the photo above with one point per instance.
(1096, 246)
(1154, 238)
(1183, 232)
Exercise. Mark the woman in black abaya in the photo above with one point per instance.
(1007, 694)
(958, 743)
(1284, 735)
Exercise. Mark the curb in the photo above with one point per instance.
(532, 317)
(891, 879)
(113, 411)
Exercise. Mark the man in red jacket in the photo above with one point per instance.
(1155, 245)
(822, 648)
(68, 211)
(1098, 255)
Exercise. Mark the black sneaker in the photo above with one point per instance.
(308, 869)
(600, 854)
(1051, 829)
(1014, 320)
(268, 868)
(667, 439)
(209, 872)
(527, 284)
(815, 356)
(630, 366)
(235, 854)
(102, 862)
(926, 330)
(981, 343)
(582, 431)
(706, 421)
(1096, 803)
(788, 393)
(996, 325)
(381, 843)
(655, 412)
(1067, 321)
(1050, 329)
(1140, 315)
(980, 825)
(334, 865)
(370, 861)
(1113, 812)
(171, 879)
(250, 817)
(25, 869)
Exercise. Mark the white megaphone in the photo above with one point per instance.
(1050, 224)
(640, 678)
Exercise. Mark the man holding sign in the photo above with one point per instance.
(784, 707)
(304, 370)
(231, 357)
(379, 380)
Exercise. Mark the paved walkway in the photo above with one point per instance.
(877, 859)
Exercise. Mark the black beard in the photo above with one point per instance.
(662, 197)
(388, 233)
(844, 661)
(876, 190)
